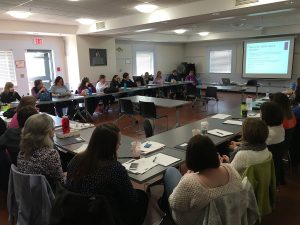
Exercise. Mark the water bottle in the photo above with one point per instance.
(267, 94)
(65, 123)
(249, 103)
(90, 91)
(125, 86)
(243, 108)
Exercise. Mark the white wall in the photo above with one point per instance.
(20, 43)
(93, 72)
(198, 53)
(167, 56)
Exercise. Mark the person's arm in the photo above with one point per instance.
(93, 88)
(35, 94)
(17, 95)
(239, 161)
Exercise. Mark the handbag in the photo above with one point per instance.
(45, 96)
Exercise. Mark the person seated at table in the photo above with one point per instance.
(173, 77)
(173, 91)
(25, 101)
(10, 140)
(102, 87)
(192, 77)
(84, 89)
(58, 89)
(9, 94)
(37, 155)
(147, 78)
(158, 79)
(253, 148)
(36, 91)
(97, 171)
(115, 83)
(128, 81)
(289, 119)
(207, 179)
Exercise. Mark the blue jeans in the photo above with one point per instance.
(171, 179)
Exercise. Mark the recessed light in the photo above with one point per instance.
(19, 14)
(203, 34)
(144, 30)
(85, 21)
(180, 31)
(146, 8)
(271, 12)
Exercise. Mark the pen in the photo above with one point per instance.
(154, 159)
(219, 132)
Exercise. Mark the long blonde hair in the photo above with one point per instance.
(7, 86)
(36, 134)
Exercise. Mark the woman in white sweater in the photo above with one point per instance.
(205, 181)
(253, 149)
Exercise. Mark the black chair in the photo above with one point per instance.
(194, 94)
(211, 95)
(78, 209)
(138, 80)
(252, 83)
(148, 110)
(127, 110)
(278, 152)
(148, 128)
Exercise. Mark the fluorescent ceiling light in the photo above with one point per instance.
(180, 31)
(143, 30)
(73, 0)
(203, 34)
(223, 18)
(271, 12)
(85, 21)
(19, 14)
(146, 8)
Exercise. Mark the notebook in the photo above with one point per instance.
(163, 159)
(151, 146)
(234, 122)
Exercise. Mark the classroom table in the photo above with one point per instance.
(124, 154)
(161, 102)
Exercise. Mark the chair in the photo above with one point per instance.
(252, 83)
(29, 199)
(148, 128)
(194, 94)
(211, 95)
(78, 209)
(263, 180)
(148, 110)
(127, 110)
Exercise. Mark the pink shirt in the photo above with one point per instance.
(14, 122)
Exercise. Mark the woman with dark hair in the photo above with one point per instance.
(58, 89)
(36, 91)
(9, 94)
(253, 148)
(205, 181)
(97, 171)
(289, 119)
(84, 89)
(128, 81)
(115, 83)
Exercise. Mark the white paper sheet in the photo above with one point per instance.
(155, 146)
(219, 133)
(220, 116)
(81, 148)
(144, 164)
(253, 115)
(234, 122)
(163, 159)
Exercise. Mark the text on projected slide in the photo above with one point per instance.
(268, 57)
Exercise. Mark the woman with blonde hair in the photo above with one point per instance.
(9, 94)
(25, 101)
(37, 155)
(158, 79)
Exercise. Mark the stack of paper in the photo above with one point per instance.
(144, 164)
(153, 146)
(234, 122)
(163, 159)
(219, 133)
(80, 126)
(220, 116)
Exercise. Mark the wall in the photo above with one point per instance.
(93, 72)
(167, 56)
(20, 43)
(198, 53)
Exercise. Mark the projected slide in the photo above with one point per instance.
(268, 58)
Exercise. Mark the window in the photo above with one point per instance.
(144, 62)
(220, 61)
(7, 68)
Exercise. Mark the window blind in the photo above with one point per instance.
(7, 68)
(144, 63)
(220, 61)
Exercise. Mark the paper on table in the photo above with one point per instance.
(80, 126)
(155, 146)
(253, 115)
(81, 148)
(234, 122)
(219, 133)
(220, 116)
(184, 144)
(163, 159)
(144, 164)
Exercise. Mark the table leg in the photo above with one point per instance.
(177, 117)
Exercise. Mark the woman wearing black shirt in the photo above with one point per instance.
(9, 94)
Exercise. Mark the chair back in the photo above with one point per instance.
(263, 180)
(191, 90)
(29, 199)
(289, 133)
(148, 128)
(148, 109)
(77, 209)
(251, 83)
(126, 106)
(211, 92)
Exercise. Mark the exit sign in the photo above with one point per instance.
(38, 41)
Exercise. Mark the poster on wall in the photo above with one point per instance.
(98, 57)
(20, 63)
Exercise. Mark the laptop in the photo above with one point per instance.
(226, 81)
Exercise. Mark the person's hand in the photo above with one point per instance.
(233, 145)
(189, 171)
(224, 159)
(69, 93)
